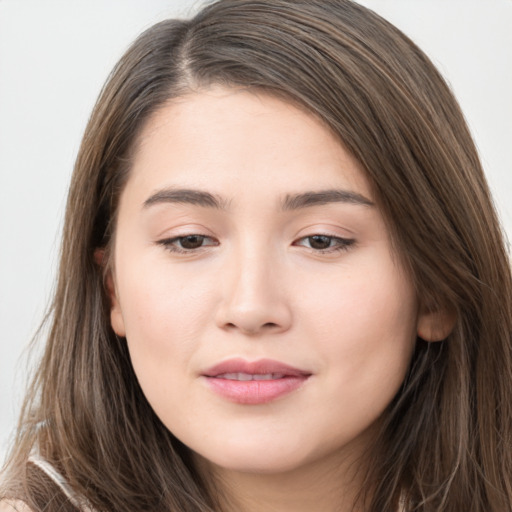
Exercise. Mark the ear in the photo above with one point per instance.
(436, 324)
(116, 315)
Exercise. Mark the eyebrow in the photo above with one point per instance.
(291, 201)
(186, 196)
(309, 199)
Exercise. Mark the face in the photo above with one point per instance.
(268, 322)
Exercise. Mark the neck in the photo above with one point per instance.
(327, 485)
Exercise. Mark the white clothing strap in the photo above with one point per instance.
(60, 481)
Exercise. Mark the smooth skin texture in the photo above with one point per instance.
(253, 271)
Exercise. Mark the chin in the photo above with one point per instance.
(262, 459)
(259, 465)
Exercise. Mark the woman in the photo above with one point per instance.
(283, 285)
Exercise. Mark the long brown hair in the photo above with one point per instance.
(446, 441)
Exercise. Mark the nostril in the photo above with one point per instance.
(252, 329)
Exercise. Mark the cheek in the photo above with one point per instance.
(364, 324)
(158, 299)
(364, 332)
(165, 320)
(165, 315)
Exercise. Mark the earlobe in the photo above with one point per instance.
(99, 255)
(436, 325)
(116, 316)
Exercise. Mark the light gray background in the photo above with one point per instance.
(55, 56)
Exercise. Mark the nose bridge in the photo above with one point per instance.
(253, 281)
(254, 299)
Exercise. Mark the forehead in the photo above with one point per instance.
(222, 137)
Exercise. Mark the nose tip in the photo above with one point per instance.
(253, 304)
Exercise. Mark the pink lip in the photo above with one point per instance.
(251, 392)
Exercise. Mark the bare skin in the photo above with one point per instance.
(224, 251)
(14, 506)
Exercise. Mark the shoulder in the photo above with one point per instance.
(13, 506)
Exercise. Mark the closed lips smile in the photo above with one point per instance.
(253, 383)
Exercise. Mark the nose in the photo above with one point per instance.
(254, 299)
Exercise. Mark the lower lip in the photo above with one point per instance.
(253, 392)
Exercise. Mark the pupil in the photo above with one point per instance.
(192, 241)
(320, 242)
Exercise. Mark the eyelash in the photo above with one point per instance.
(339, 243)
(171, 244)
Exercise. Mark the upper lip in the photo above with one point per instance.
(259, 367)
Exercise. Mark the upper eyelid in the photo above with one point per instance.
(178, 237)
(347, 241)
(172, 244)
(328, 228)
(181, 230)
(327, 233)
(204, 235)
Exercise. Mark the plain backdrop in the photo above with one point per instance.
(54, 58)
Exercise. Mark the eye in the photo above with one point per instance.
(325, 243)
(187, 243)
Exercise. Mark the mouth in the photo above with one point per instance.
(249, 376)
(253, 383)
